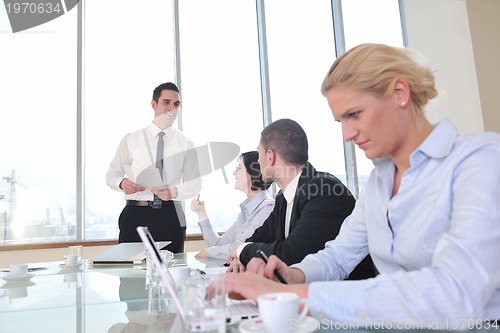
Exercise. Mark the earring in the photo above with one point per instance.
(403, 103)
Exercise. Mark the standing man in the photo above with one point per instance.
(163, 149)
(309, 209)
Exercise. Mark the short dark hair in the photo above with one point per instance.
(161, 87)
(251, 163)
(287, 138)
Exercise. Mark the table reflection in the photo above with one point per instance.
(91, 298)
(147, 308)
(15, 290)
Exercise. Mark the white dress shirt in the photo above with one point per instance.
(289, 194)
(180, 167)
(439, 262)
(253, 214)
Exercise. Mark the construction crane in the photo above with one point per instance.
(11, 204)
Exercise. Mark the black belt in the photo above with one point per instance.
(143, 203)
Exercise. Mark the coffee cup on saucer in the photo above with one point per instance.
(70, 260)
(18, 270)
(76, 250)
(280, 312)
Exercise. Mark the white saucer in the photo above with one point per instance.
(23, 278)
(255, 325)
(71, 266)
(16, 285)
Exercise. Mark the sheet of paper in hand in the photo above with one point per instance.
(148, 178)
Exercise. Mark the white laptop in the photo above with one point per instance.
(124, 253)
(236, 310)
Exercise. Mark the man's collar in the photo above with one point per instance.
(155, 130)
(291, 188)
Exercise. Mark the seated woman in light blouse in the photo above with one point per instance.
(254, 209)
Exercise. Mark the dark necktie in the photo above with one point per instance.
(283, 216)
(159, 165)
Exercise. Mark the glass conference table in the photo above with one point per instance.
(90, 299)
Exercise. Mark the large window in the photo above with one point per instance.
(221, 92)
(301, 49)
(37, 131)
(126, 50)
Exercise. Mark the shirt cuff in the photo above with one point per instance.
(310, 270)
(174, 192)
(338, 301)
(117, 184)
(204, 223)
(240, 248)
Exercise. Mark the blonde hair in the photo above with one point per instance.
(374, 68)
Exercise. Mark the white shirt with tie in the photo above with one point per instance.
(289, 194)
(180, 161)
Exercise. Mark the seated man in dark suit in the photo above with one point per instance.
(309, 209)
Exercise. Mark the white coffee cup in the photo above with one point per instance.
(280, 311)
(18, 270)
(76, 250)
(70, 259)
(179, 274)
(166, 256)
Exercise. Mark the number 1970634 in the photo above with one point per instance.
(33, 8)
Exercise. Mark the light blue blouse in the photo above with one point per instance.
(253, 214)
(436, 243)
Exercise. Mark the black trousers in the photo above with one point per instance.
(164, 224)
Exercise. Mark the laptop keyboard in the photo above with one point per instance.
(237, 310)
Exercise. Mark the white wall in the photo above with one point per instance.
(439, 29)
(484, 21)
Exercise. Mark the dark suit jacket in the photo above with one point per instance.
(321, 204)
